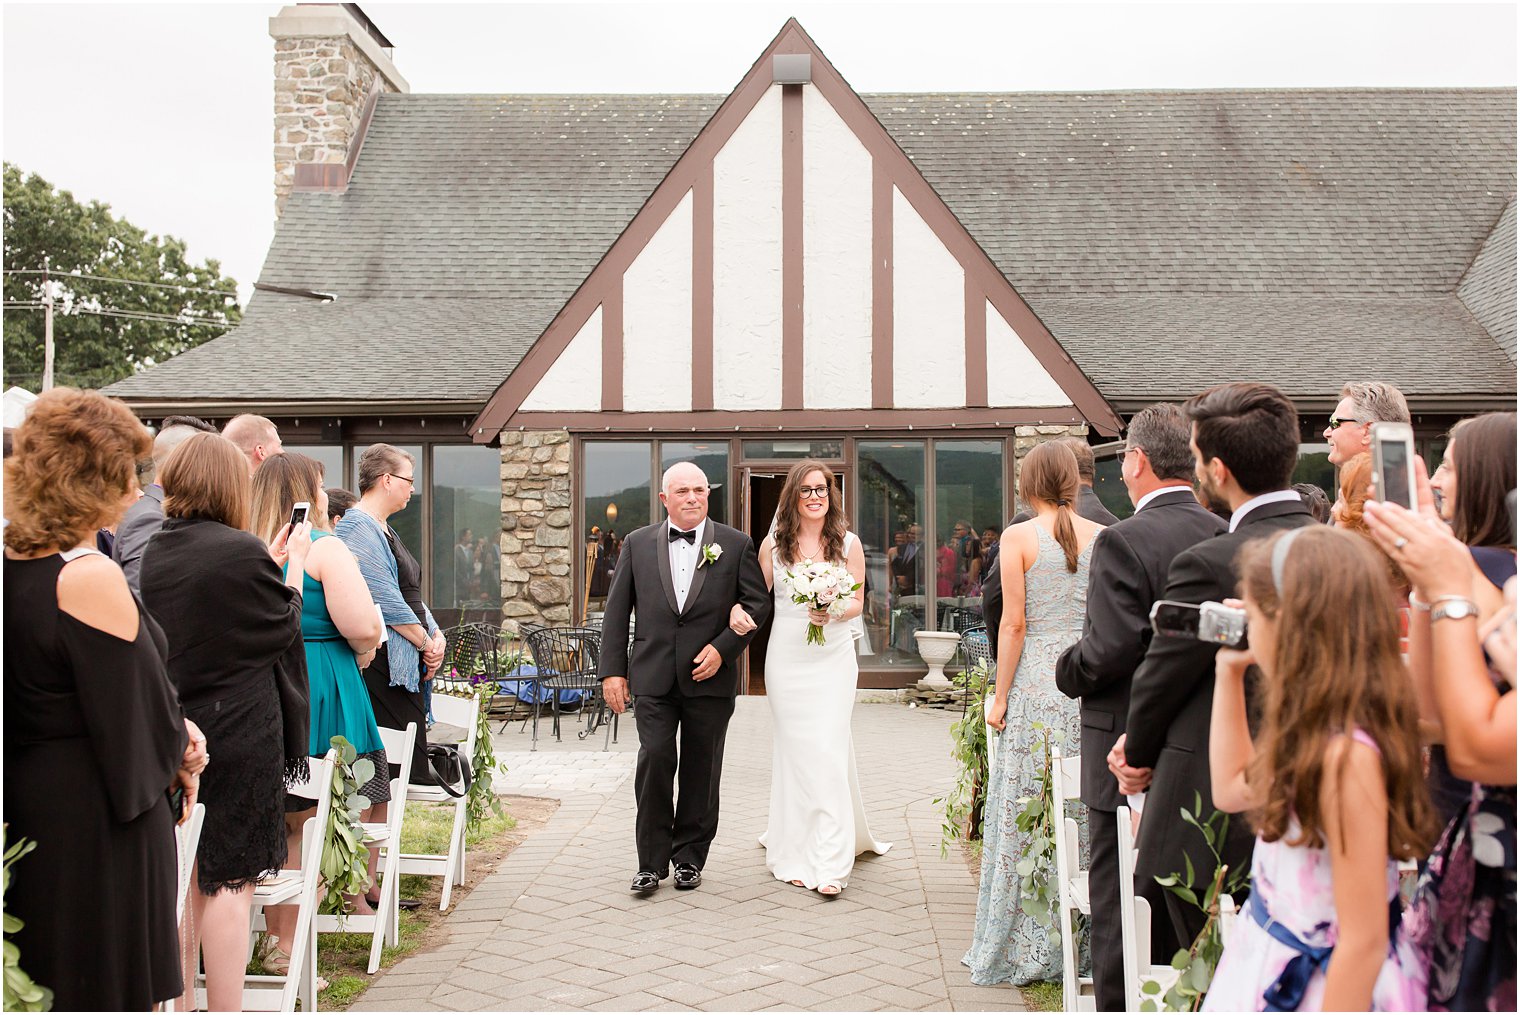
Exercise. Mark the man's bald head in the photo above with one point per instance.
(256, 437)
(684, 473)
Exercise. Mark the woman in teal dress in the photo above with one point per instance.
(341, 630)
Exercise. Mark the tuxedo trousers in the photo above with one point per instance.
(680, 749)
(1107, 925)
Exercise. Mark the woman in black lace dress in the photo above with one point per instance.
(235, 653)
(94, 734)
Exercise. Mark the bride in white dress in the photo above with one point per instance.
(817, 819)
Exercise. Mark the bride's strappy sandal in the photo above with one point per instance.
(829, 889)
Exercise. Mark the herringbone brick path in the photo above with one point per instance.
(556, 929)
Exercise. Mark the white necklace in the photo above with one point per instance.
(808, 558)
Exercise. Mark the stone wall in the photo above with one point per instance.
(536, 578)
(1026, 437)
(325, 65)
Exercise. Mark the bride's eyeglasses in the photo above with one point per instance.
(814, 492)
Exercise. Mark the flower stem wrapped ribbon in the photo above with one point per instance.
(824, 587)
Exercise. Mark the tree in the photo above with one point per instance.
(146, 303)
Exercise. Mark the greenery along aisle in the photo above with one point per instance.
(968, 737)
(21, 994)
(345, 859)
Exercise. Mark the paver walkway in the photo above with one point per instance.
(555, 928)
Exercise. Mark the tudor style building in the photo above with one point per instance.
(551, 298)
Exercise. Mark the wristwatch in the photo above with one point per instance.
(1453, 609)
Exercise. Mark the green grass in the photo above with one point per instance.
(1042, 996)
(344, 958)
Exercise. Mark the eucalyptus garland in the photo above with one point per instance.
(21, 994)
(345, 857)
(968, 736)
(1039, 892)
(1196, 965)
(481, 800)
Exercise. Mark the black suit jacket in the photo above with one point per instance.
(666, 640)
(1129, 568)
(1172, 698)
(1088, 506)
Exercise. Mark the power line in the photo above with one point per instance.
(130, 316)
(119, 281)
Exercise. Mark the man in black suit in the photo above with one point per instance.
(1088, 506)
(683, 577)
(1245, 437)
(1129, 567)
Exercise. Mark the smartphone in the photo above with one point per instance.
(1214, 623)
(299, 512)
(1393, 463)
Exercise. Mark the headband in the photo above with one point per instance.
(1280, 558)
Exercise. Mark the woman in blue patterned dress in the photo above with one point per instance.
(1043, 565)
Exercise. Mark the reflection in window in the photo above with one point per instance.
(968, 490)
(890, 509)
(712, 458)
(615, 489)
(331, 457)
(466, 531)
(1314, 467)
(826, 450)
(1109, 486)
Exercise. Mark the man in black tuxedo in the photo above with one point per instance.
(683, 577)
(1245, 437)
(1089, 506)
(1129, 567)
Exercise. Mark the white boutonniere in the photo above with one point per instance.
(710, 554)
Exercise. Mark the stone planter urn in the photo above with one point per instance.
(937, 648)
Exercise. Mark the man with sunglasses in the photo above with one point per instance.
(1362, 404)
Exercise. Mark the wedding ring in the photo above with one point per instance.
(1400, 543)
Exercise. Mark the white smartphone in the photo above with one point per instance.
(1393, 463)
(299, 513)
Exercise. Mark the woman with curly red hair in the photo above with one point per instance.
(89, 712)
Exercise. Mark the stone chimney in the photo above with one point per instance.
(330, 65)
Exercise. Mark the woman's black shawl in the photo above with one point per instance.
(229, 618)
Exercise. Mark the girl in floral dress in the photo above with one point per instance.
(1332, 783)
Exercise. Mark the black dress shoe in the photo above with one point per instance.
(687, 876)
(644, 882)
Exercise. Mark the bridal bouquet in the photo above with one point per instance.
(822, 586)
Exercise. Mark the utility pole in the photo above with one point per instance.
(47, 327)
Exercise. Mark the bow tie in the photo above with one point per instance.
(690, 537)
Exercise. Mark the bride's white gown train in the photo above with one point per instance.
(817, 819)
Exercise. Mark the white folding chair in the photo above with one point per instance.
(1135, 927)
(187, 839)
(298, 888)
(1066, 784)
(453, 711)
(384, 924)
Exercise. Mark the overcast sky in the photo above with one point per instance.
(166, 112)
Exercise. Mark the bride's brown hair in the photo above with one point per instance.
(1337, 669)
(789, 520)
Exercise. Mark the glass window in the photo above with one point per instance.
(466, 483)
(890, 507)
(1109, 486)
(331, 457)
(968, 492)
(408, 521)
(712, 458)
(827, 450)
(1314, 467)
(615, 491)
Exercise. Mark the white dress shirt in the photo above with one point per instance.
(1140, 504)
(683, 561)
(1275, 497)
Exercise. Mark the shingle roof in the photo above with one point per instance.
(1169, 240)
(1488, 290)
